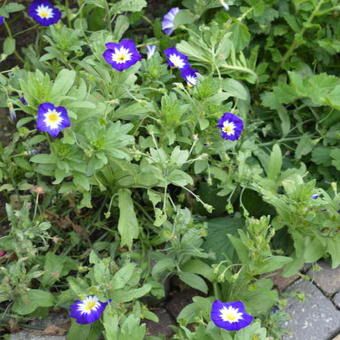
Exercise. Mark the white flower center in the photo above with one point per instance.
(45, 12)
(121, 55)
(89, 304)
(177, 60)
(53, 119)
(228, 128)
(191, 80)
(230, 314)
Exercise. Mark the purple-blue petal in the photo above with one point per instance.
(168, 25)
(230, 326)
(41, 125)
(172, 50)
(238, 122)
(23, 100)
(151, 49)
(314, 197)
(86, 318)
(2, 19)
(44, 21)
(189, 72)
(128, 44)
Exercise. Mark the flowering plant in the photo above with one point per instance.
(151, 149)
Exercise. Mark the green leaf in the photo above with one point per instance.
(29, 301)
(121, 296)
(184, 17)
(235, 89)
(194, 281)
(128, 6)
(163, 265)
(197, 266)
(179, 178)
(314, 250)
(78, 331)
(122, 277)
(273, 263)
(333, 250)
(304, 147)
(63, 83)
(9, 46)
(121, 26)
(82, 181)
(321, 155)
(240, 36)
(13, 7)
(44, 159)
(127, 224)
(241, 249)
(217, 240)
(335, 154)
(275, 163)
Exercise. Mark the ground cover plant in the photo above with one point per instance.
(156, 145)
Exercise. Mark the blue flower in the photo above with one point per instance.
(168, 21)
(230, 316)
(314, 197)
(43, 12)
(176, 59)
(52, 119)
(87, 311)
(122, 55)
(151, 49)
(2, 19)
(231, 126)
(23, 100)
(12, 114)
(190, 76)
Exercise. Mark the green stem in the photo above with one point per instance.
(11, 36)
(26, 30)
(239, 68)
(67, 4)
(298, 37)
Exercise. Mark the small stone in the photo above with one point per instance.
(327, 279)
(336, 300)
(162, 326)
(314, 319)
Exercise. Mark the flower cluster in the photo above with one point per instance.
(230, 316)
(121, 56)
(88, 310)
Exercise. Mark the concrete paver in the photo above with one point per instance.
(314, 319)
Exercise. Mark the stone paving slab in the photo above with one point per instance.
(337, 337)
(336, 300)
(327, 279)
(314, 319)
(31, 336)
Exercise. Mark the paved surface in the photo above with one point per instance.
(318, 316)
(31, 336)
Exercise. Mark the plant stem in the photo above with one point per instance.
(67, 4)
(11, 36)
(298, 37)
